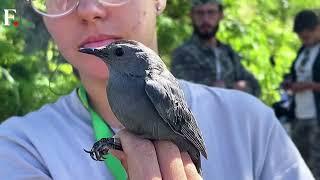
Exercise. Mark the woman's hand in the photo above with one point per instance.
(241, 85)
(143, 159)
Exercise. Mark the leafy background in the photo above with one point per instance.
(32, 72)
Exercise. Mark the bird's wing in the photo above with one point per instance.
(167, 97)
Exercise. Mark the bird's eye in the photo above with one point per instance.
(119, 51)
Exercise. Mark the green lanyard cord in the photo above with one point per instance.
(102, 130)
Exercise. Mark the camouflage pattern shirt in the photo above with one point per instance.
(195, 62)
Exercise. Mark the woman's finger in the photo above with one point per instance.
(189, 168)
(169, 159)
(140, 155)
(121, 156)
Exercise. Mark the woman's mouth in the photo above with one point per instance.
(98, 41)
(98, 44)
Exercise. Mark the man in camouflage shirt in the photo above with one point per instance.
(203, 59)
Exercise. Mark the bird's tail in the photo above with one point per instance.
(196, 159)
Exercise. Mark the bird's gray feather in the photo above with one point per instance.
(167, 97)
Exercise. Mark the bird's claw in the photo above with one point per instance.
(95, 155)
(102, 147)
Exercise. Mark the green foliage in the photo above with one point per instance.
(257, 29)
(27, 65)
(173, 27)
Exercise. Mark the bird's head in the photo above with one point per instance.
(126, 56)
(114, 51)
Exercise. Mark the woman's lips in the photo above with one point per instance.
(99, 43)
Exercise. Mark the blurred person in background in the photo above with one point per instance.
(303, 83)
(204, 59)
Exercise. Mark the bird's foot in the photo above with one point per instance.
(102, 147)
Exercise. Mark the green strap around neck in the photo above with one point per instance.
(102, 130)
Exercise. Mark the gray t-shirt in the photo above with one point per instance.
(243, 138)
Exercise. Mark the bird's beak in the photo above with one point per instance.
(87, 50)
(93, 51)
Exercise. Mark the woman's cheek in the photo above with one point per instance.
(142, 28)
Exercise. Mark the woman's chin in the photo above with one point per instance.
(99, 75)
(94, 74)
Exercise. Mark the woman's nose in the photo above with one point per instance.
(91, 11)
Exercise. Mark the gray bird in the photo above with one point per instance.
(147, 99)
